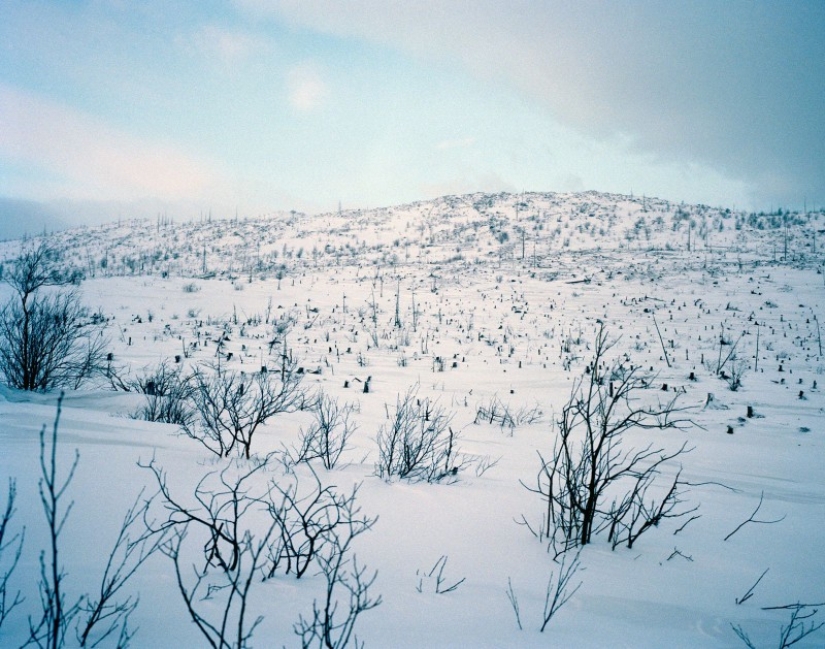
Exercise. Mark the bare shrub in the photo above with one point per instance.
(47, 338)
(238, 529)
(417, 443)
(729, 367)
(736, 370)
(752, 518)
(167, 393)
(102, 616)
(215, 554)
(328, 436)
(802, 623)
(591, 484)
(57, 614)
(498, 412)
(557, 593)
(346, 596)
(231, 406)
(95, 618)
(310, 521)
(13, 545)
(436, 577)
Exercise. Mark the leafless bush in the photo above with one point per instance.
(101, 616)
(57, 615)
(230, 406)
(95, 618)
(513, 599)
(328, 436)
(728, 365)
(417, 443)
(736, 370)
(167, 393)
(484, 463)
(590, 484)
(635, 513)
(557, 593)
(752, 518)
(436, 577)
(13, 545)
(47, 339)
(346, 596)
(801, 624)
(214, 534)
(309, 521)
(294, 531)
(498, 412)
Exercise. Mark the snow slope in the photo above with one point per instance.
(477, 321)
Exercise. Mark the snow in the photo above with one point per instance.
(517, 329)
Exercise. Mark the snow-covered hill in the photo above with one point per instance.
(477, 228)
(481, 304)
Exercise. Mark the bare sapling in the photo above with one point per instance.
(167, 392)
(801, 624)
(51, 629)
(417, 442)
(231, 406)
(435, 576)
(11, 547)
(103, 616)
(215, 554)
(328, 436)
(661, 342)
(346, 596)
(591, 483)
(752, 518)
(497, 412)
(729, 366)
(749, 593)
(48, 339)
(309, 522)
(559, 590)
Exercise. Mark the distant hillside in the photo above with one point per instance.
(531, 228)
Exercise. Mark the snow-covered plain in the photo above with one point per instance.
(482, 315)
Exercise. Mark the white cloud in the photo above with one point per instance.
(89, 159)
(306, 89)
(228, 46)
(735, 86)
(461, 143)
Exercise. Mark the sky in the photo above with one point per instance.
(111, 108)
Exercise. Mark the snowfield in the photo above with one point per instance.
(433, 297)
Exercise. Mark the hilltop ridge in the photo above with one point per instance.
(530, 227)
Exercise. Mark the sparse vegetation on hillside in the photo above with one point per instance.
(320, 484)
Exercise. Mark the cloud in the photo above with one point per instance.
(86, 158)
(468, 184)
(734, 85)
(230, 47)
(306, 89)
(461, 143)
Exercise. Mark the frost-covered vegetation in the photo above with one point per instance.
(486, 421)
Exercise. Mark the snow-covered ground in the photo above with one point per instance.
(466, 330)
